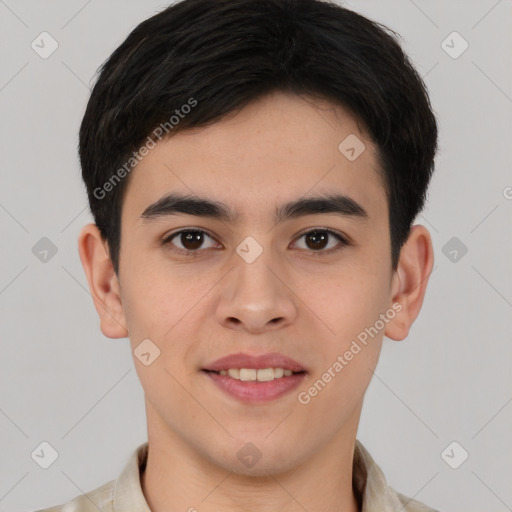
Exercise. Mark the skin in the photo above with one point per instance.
(292, 299)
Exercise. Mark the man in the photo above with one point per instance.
(254, 169)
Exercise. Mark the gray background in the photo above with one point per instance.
(63, 382)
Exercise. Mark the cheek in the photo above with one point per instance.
(151, 304)
(351, 346)
(163, 305)
(146, 284)
(350, 302)
(155, 314)
(351, 306)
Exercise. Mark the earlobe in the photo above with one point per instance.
(410, 281)
(103, 282)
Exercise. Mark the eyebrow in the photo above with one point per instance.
(175, 204)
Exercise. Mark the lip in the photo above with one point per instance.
(253, 391)
(258, 362)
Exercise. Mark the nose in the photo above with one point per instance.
(256, 297)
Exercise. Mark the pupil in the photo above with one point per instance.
(193, 239)
(318, 238)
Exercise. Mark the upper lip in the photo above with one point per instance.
(269, 360)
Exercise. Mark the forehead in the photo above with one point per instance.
(278, 148)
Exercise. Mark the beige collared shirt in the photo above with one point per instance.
(125, 493)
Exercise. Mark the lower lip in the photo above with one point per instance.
(255, 391)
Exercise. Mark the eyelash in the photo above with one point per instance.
(167, 241)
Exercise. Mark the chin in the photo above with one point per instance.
(258, 459)
(262, 469)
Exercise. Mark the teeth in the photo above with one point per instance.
(261, 375)
(248, 374)
(265, 374)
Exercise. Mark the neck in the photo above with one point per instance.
(178, 478)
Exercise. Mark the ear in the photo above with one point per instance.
(103, 282)
(410, 281)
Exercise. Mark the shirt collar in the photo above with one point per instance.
(368, 480)
(370, 483)
(128, 495)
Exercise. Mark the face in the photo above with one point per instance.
(202, 287)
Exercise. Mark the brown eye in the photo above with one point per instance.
(318, 239)
(187, 240)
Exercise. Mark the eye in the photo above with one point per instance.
(317, 240)
(189, 239)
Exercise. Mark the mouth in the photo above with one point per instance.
(257, 374)
(252, 379)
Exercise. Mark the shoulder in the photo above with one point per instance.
(411, 505)
(121, 494)
(98, 499)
